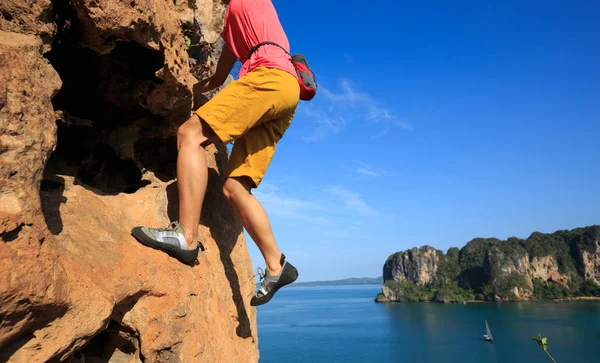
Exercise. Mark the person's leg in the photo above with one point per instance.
(272, 109)
(248, 163)
(256, 99)
(254, 219)
(179, 239)
(192, 173)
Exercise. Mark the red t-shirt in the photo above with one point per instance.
(249, 22)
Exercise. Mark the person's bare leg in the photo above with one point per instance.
(192, 174)
(255, 220)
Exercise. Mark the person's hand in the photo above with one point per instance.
(202, 86)
(199, 98)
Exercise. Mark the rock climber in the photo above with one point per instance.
(253, 112)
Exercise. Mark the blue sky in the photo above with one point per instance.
(435, 122)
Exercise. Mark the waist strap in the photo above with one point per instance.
(254, 48)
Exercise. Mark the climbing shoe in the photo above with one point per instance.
(271, 284)
(170, 240)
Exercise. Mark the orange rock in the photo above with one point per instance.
(74, 284)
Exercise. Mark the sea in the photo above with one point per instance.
(344, 324)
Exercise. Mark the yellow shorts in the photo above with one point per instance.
(255, 111)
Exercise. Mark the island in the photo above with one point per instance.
(560, 265)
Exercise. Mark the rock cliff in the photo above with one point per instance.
(559, 265)
(417, 265)
(91, 94)
(589, 260)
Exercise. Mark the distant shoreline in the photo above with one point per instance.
(302, 285)
(593, 298)
(584, 298)
(576, 298)
(352, 281)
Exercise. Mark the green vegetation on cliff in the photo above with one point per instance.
(471, 258)
(544, 266)
(503, 287)
(541, 245)
(411, 292)
(549, 290)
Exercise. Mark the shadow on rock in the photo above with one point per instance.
(158, 155)
(39, 317)
(117, 343)
(51, 194)
(225, 228)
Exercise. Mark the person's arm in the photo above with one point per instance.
(224, 66)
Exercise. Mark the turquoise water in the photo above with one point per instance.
(343, 324)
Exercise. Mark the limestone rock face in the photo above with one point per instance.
(103, 25)
(31, 17)
(499, 265)
(590, 262)
(208, 14)
(91, 93)
(546, 269)
(388, 295)
(417, 265)
(563, 264)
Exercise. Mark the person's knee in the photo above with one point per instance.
(190, 132)
(195, 132)
(231, 190)
(235, 190)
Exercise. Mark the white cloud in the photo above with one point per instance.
(365, 171)
(379, 114)
(346, 104)
(381, 134)
(279, 204)
(337, 207)
(385, 115)
(326, 123)
(368, 170)
(347, 95)
(353, 202)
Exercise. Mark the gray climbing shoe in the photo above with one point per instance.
(170, 240)
(271, 284)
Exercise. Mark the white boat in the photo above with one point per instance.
(488, 333)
